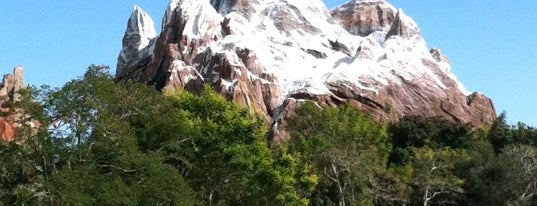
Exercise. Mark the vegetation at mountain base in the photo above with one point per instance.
(96, 142)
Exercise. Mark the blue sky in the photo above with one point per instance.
(491, 44)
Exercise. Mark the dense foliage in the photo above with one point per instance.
(347, 148)
(102, 143)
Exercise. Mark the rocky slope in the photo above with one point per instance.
(271, 55)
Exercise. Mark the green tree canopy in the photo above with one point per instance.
(347, 147)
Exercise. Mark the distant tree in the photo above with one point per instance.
(499, 134)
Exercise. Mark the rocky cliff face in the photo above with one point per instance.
(365, 17)
(272, 55)
(11, 84)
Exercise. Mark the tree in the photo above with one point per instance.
(26, 164)
(427, 154)
(97, 159)
(483, 178)
(346, 146)
(523, 174)
(229, 161)
(113, 144)
(434, 176)
(499, 134)
(419, 132)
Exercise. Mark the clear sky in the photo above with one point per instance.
(491, 44)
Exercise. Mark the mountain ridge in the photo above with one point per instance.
(271, 55)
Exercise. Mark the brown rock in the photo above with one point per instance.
(7, 131)
(172, 46)
(411, 98)
(362, 18)
(402, 27)
(243, 7)
(288, 18)
(278, 130)
(11, 84)
(241, 80)
(437, 55)
(340, 47)
(316, 54)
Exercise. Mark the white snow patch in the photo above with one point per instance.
(143, 25)
(282, 53)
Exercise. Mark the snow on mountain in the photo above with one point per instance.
(271, 54)
(138, 40)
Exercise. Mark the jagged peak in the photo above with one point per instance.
(245, 8)
(11, 84)
(138, 39)
(197, 14)
(403, 26)
(169, 11)
(191, 6)
(141, 23)
(295, 50)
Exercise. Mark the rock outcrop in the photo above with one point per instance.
(137, 43)
(11, 84)
(272, 55)
(362, 17)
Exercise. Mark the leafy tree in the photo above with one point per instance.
(522, 175)
(118, 173)
(26, 164)
(419, 132)
(113, 144)
(427, 153)
(229, 162)
(499, 134)
(95, 142)
(482, 176)
(507, 178)
(346, 146)
(434, 176)
(97, 158)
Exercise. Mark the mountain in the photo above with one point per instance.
(272, 55)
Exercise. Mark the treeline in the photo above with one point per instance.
(101, 143)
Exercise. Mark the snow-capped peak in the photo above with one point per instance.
(262, 53)
(141, 23)
(137, 41)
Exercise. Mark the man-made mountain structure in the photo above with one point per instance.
(365, 17)
(11, 84)
(271, 55)
(137, 41)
